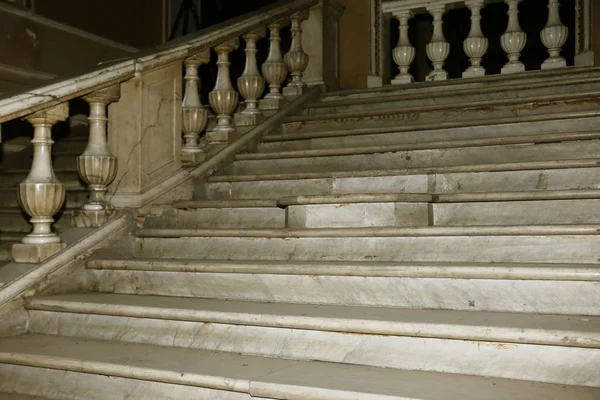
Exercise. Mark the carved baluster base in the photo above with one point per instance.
(241, 119)
(274, 103)
(35, 253)
(194, 118)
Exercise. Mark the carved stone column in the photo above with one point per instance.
(296, 59)
(274, 70)
(404, 53)
(97, 166)
(251, 84)
(41, 194)
(475, 45)
(438, 49)
(514, 39)
(554, 36)
(223, 99)
(194, 115)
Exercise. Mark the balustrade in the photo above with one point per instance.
(513, 41)
(140, 129)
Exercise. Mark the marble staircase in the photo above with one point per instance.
(430, 242)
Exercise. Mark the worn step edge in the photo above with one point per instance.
(441, 324)
(428, 231)
(496, 167)
(450, 144)
(521, 271)
(547, 100)
(263, 377)
(439, 198)
(408, 127)
(250, 203)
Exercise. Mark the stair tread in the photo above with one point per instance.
(448, 144)
(581, 331)
(17, 396)
(494, 167)
(490, 230)
(467, 270)
(266, 377)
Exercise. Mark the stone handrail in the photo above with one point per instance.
(139, 101)
(475, 46)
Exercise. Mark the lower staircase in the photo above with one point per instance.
(362, 251)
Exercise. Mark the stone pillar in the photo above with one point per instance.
(380, 69)
(554, 36)
(475, 45)
(514, 39)
(97, 166)
(584, 31)
(194, 115)
(223, 98)
(296, 59)
(438, 48)
(404, 53)
(320, 37)
(274, 71)
(251, 84)
(41, 194)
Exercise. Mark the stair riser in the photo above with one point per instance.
(433, 135)
(444, 214)
(13, 179)
(421, 158)
(401, 102)
(221, 218)
(497, 181)
(72, 200)
(548, 297)
(381, 118)
(83, 386)
(552, 364)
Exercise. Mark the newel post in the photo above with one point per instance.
(41, 194)
(97, 166)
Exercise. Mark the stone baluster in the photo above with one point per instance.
(554, 36)
(438, 49)
(194, 115)
(41, 194)
(223, 98)
(404, 52)
(96, 165)
(251, 84)
(513, 40)
(475, 45)
(296, 59)
(274, 71)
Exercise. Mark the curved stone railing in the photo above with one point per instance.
(475, 45)
(146, 113)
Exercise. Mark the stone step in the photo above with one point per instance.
(201, 374)
(363, 159)
(512, 208)
(15, 220)
(545, 243)
(533, 132)
(387, 337)
(473, 98)
(502, 177)
(68, 176)
(218, 217)
(75, 198)
(477, 112)
(17, 396)
(569, 289)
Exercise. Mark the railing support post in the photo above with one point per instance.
(438, 49)
(404, 52)
(223, 98)
(513, 40)
(194, 115)
(296, 59)
(475, 45)
(41, 194)
(97, 166)
(554, 36)
(274, 70)
(251, 84)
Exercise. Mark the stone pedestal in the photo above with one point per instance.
(35, 253)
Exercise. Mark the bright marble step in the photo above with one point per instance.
(389, 338)
(527, 288)
(534, 176)
(580, 331)
(249, 375)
